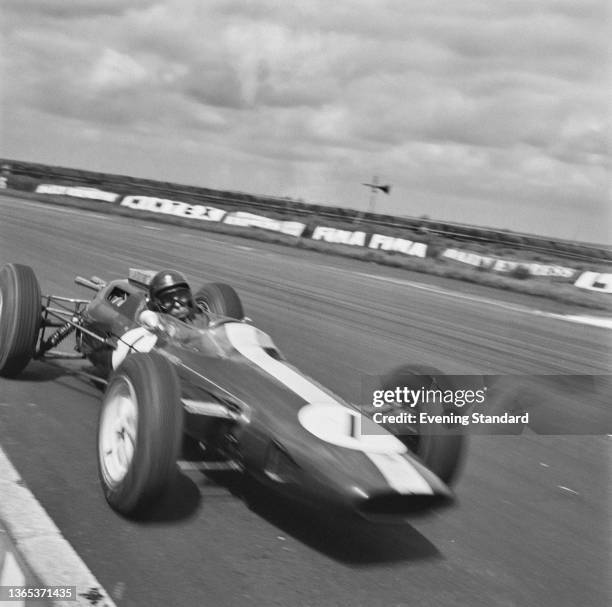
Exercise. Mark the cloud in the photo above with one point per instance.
(115, 70)
(498, 101)
(72, 9)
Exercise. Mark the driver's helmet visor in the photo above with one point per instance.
(175, 300)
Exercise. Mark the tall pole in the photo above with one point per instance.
(373, 192)
(374, 187)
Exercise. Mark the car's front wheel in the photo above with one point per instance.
(20, 317)
(139, 434)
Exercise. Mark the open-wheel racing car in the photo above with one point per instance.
(221, 383)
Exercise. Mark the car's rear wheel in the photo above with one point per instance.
(20, 317)
(220, 299)
(139, 435)
(441, 447)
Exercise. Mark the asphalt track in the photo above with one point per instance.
(533, 522)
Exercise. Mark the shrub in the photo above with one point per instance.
(520, 272)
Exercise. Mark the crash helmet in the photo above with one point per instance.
(169, 292)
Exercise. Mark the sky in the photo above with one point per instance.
(487, 112)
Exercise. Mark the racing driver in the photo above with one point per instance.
(169, 292)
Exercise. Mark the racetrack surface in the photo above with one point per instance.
(533, 522)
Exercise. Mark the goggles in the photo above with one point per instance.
(177, 297)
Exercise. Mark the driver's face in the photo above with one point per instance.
(176, 303)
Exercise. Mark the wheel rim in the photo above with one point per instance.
(118, 431)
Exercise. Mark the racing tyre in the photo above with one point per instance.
(139, 434)
(440, 447)
(20, 317)
(220, 299)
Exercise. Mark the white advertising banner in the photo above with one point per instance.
(335, 236)
(595, 281)
(173, 207)
(380, 242)
(504, 265)
(250, 220)
(399, 245)
(76, 191)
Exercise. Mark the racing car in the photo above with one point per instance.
(218, 381)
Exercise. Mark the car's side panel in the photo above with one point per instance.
(329, 454)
